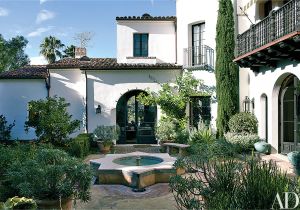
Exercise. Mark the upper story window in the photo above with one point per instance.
(197, 42)
(140, 45)
(267, 8)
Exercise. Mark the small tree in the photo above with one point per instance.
(51, 120)
(5, 129)
(173, 98)
(227, 76)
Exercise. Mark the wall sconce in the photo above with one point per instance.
(246, 104)
(98, 110)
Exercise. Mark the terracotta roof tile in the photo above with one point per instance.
(147, 17)
(26, 72)
(84, 63)
(107, 64)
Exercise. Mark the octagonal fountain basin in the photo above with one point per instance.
(137, 169)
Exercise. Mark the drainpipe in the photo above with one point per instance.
(47, 82)
(175, 25)
(86, 103)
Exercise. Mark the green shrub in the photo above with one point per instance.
(202, 135)
(10, 154)
(182, 136)
(80, 146)
(51, 120)
(218, 148)
(166, 130)
(243, 122)
(229, 184)
(50, 174)
(243, 142)
(19, 203)
(5, 129)
(104, 132)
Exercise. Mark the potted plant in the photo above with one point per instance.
(52, 178)
(294, 158)
(263, 147)
(105, 137)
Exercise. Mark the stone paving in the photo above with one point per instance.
(155, 197)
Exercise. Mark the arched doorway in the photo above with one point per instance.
(136, 121)
(289, 121)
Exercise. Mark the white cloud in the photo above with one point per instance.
(3, 11)
(43, 1)
(38, 60)
(39, 31)
(44, 15)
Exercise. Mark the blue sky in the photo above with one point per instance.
(36, 19)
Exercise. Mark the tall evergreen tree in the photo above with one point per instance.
(227, 72)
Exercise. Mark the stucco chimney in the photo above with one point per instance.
(80, 52)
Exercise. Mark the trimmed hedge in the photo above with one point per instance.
(243, 122)
(80, 146)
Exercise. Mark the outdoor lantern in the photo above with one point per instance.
(98, 110)
(246, 104)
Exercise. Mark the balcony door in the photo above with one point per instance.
(290, 121)
(197, 43)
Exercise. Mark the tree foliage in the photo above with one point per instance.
(12, 55)
(69, 52)
(227, 76)
(229, 184)
(51, 120)
(5, 128)
(51, 49)
(173, 98)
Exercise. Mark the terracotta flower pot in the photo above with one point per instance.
(103, 148)
(65, 204)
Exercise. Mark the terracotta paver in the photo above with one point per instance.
(156, 197)
(122, 197)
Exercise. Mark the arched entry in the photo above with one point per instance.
(136, 121)
(289, 121)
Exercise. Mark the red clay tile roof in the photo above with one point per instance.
(84, 63)
(26, 72)
(147, 17)
(107, 64)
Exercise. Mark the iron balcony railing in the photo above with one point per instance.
(199, 58)
(279, 23)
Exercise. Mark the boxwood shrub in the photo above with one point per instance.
(243, 122)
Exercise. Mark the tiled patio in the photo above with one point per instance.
(157, 196)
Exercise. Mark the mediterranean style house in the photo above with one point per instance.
(102, 91)
(153, 50)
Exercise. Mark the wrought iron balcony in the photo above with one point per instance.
(199, 58)
(274, 38)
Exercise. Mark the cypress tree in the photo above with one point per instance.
(227, 75)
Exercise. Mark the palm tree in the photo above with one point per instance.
(69, 52)
(50, 48)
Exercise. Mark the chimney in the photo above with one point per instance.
(80, 52)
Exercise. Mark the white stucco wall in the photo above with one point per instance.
(15, 95)
(70, 84)
(190, 12)
(106, 87)
(161, 40)
(268, 82)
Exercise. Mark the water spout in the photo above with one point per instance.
(138, 160)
